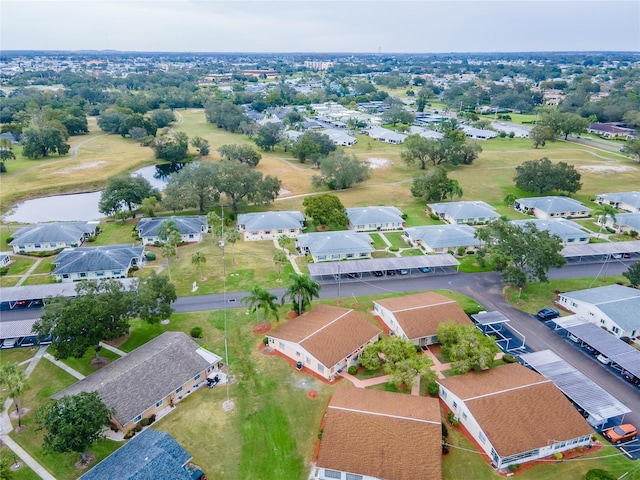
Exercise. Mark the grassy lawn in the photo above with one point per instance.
(390, 387)
(46, 380)
(24, 472)
(411, 252)
(17, 355)
(364, 374)
(9, 281)
(40, 279)
(378, 243)
(539, 295)
(45, 265)
(83, 365)
(114, 233)
(469, 264)
(20, 265)
(396, 238)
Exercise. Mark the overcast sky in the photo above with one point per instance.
(321, 26)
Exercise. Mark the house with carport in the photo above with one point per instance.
(469, 212)
(628, 201)
(97, 263)
(403, 433)
(385, 135)
(270, 225)
(514, 414)
(417, 317)
(149, 454)
(570, 232)
(624, 222)
(326, 339)
(442, 238)
(612, 307)
(192, 228)
(363, 219)
(47, 237)
(551, 207)
(149, 380)
(334, 246)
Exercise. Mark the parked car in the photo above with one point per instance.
(631, 378)
(378, 273)
(352, 275)
(621, 433)
(602, 359)
(403, 271)
(424, 269)
(391, 272)
(547, 314)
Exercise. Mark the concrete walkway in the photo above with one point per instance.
(6, 427)
(64, 366)
(290, 256)
(364, 383)
(29, 272)
(115, 350)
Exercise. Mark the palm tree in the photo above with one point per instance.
(510, 199)
(15, 382)
(279, 257)
(166, 229)
(174, 240)
(213, 219)
(455, 190)
(601, 212)
(197, 259)
(259, 298)
(232, 235)
(301, 291)
(168, 251)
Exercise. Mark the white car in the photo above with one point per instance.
(604, 360)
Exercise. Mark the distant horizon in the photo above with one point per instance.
(328, 26)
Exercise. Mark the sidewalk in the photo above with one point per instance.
(29, 272)
(115, 350)
(26, 458)
(290, 256)
(364, 383)
(64, 366)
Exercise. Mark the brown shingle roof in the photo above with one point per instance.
(518, 409)
(419, 315)
(382, 434)
(137, 381)
(328, 333)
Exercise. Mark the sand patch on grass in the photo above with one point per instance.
(605, 168)
(375, 162)
(84, 166)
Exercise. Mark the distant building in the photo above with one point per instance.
(46, 237)
(469, 212)
(611, 130)
(333, 246)
(551, 207)
(629, 201)
(316, 65)
(570, 232)
(97, 263)
(270, 225)
(192, 228)
(363, 219)
(478, 133)
(442, 238)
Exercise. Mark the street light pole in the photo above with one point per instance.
(228, 404)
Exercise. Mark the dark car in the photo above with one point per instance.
(424, 269)
(352, 275)
(547, 314)
(631, 378)
(391, 272)
(378, 273)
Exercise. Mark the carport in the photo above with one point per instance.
(19, 333)
(622, 355)
(600, 252)
(492, 323)
(600, 406)
(437, 264)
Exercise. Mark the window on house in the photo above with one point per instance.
(191, 235)
(37, 245)
(591, 314)
(320, 367)
(615, 329)
(178, 390)
(65, 275)
(332, 474)
(464, 415)
(99, 274)
(158, 404)
(297, 354)
(279, 230)
(602, 321)
(353, 476)
(481, 437)
(281, 345)
(443, 393)
(349, 255)
(455, 404)
(196, 377)
(137, 419)
(83, 275)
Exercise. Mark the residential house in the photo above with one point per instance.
(326, 339)
(149, 454)
(96, 263)
(5, 260)
(469, 212)
(270, 225)
(625, 222)
(387, 420)
(611, 130)
(192, 228)
(46, 237)
(551, 207)
(385, 135)
(478, 133)
(613, 307)
(363, 219)
(339, 137)
(518, 132)
(149, 379)
(514, 414)
(333, 246)
(442, 238)
(570, 232)
(417, 317)
(629, 201)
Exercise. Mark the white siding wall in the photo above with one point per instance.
(594, 315)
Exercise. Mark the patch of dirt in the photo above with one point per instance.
(116, 342)
(14, 414)
(292, 314)
(283, 193)
(313, 394)
(261, 328)
(84, 166)
(375, 163)
(91, 458)
(605, 168)
(99, 362)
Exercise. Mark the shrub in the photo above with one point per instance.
(393, 248)
(508, 358)
(9, 239)
(610, 230)
(452, 419)
(152, 419)
(433, 216)
(135, 268)
(196, 332)
(144, 422)
(150, 256)
(3, 270)
(352, 370)
(599, 474)
(129, 434)
(633, 233)
(514, 467)
(433, 389)
(558, 456)
(445, 431)
(320, 434)
(91, 238)
(265, 340)
(461, 251)
(138, 427)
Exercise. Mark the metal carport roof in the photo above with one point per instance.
(489, 318)
(33, 292)
(608, 345)
(597, 402)
(17, 328)
(597, 249)
(376, 264)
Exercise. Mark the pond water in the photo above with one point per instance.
(80, 206)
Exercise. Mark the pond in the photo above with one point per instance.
(80, 206)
